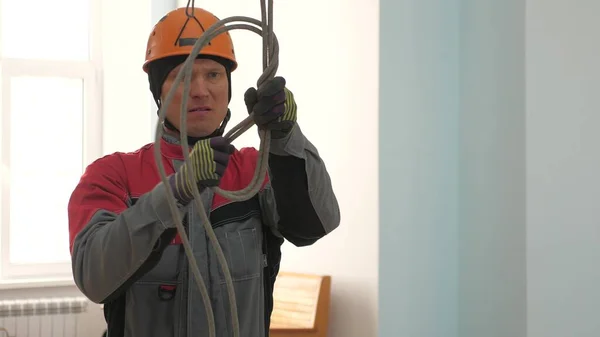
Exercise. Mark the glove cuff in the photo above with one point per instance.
(180, 195)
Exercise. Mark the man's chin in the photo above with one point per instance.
(200, 133)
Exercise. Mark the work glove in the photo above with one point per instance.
(274, 107)
(209, 159)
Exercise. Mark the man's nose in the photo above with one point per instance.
(198, 87)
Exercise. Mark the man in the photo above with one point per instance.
(126, 252)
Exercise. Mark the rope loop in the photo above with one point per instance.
(270, 64)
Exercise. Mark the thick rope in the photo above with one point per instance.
(270, 63)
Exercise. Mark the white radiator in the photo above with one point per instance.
(44, 317)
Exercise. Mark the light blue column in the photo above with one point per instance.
(419, 114)
(452, 169)
(492, 282)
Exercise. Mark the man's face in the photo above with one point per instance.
(208, 98)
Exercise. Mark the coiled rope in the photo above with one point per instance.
(270, 64)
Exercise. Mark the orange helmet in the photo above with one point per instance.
(176, 33)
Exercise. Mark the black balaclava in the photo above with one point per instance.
(158, 71)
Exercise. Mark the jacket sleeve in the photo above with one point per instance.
(298, 202)
(113, 243)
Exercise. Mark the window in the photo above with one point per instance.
(49, 130)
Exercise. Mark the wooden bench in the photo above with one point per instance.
(300, 305)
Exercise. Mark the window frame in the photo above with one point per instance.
(90, 72)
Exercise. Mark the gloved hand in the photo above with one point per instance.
(274, 107)
(209, 159)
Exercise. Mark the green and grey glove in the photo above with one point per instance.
(209, 159)
(274, 107)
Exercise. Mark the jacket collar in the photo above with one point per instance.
(170, 147)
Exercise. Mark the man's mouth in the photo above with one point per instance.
(199, 109)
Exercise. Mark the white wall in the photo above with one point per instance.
(126, 27)
(563, 161)
(158, 9)
(333, 73)
(333, 67)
